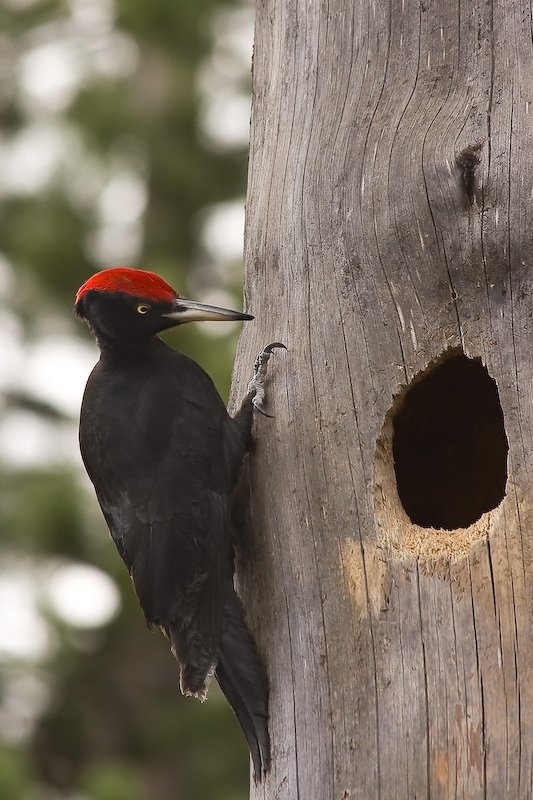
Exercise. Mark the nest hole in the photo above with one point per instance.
(449, 445)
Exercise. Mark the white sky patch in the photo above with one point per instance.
(115, 244)
(94, 15)
(82, 596)
(121, 206)
(28, 162)
(56, 369)
(123, 201)
(233, 33)
(225, 119)
(83, 175)
(230, 60)
(23, 633)
(222, 231)
(117, 57)
(223, 78)
(11, 351)
(79, 594)
(25, 440)
(28, 441)
(65, 56)
(50, 75)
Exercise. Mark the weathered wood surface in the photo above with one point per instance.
(400, 657)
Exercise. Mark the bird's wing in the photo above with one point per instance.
(160, 478)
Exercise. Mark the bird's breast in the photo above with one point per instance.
(150, 422)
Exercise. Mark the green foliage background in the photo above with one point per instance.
(108, 722)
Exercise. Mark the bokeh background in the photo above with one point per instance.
(123, 136)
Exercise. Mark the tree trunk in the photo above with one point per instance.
(387, 562)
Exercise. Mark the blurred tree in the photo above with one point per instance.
(103, 160)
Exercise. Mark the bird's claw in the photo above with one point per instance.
(257, 384)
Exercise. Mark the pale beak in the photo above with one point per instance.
(191, 311)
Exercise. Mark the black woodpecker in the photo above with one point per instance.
(164, 455)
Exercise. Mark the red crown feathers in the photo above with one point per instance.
(137, 282)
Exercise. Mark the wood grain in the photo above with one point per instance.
(393, 676)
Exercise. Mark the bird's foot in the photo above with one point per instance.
(256, 387)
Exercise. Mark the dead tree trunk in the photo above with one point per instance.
(389, 244)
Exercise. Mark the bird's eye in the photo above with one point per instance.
(142, 308)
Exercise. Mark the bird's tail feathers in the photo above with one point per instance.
(241, 676)
(196, 662)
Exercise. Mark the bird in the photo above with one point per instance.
(164, 456)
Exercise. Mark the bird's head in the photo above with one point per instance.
(127, 305)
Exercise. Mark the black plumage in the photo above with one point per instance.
(163, 455)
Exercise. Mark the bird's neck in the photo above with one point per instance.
(131, 351)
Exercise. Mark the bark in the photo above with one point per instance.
(389, 236)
